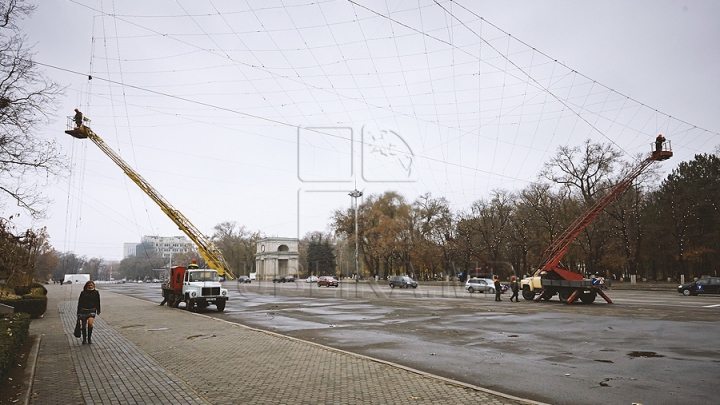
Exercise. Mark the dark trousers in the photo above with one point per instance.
(497, 296)
(514, 295)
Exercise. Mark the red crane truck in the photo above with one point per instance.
(551, 278)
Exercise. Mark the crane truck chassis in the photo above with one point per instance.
(551, 278)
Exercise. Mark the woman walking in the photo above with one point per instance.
(88, 307)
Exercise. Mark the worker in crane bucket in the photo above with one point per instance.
(193, 265)
(78, 118)
(659, 142)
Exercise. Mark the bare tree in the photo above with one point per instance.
(586, 170)
(27, 99)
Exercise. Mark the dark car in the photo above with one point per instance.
(289, 279)
(327, 281)
(244, 279)
(707, 285)
(278, 279)
(402, 282)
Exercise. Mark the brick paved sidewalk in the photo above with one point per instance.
(146, 354)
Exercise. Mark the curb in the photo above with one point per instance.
(32, 362)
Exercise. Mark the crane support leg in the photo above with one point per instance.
(573, 296)
(541, 295)
(605, 297)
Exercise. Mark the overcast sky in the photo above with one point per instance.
(267, 113)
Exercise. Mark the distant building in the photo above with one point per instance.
(129, 250)
(277, 256)
(166, 246)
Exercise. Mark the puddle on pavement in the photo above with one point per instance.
(644, 354)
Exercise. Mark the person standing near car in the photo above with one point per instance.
(515, 288)
(498, 289)
(88, 308)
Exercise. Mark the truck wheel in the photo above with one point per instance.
(220, 306)
(564, 295)
(528, 295)
(588, 298)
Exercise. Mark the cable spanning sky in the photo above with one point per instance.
(268, 113)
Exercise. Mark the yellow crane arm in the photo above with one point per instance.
(213, 257)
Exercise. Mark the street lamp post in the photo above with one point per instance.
(355, 194)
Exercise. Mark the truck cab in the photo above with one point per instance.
(195, 287)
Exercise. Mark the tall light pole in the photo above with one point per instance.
(355, 194)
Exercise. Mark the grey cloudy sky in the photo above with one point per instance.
(266, 113)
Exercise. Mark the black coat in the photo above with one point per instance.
(89, 299)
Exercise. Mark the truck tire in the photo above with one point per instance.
(588, 298)
(527, 294)
(564, 294)
(220, 306)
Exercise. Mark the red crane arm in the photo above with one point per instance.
(556, 251)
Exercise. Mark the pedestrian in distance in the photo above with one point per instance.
(78, 118)
(498, 289)
(87, 309)
(515, 288)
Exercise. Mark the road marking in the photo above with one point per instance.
(711, 306)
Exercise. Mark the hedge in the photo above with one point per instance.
(30, 304)
(35, 289)
(14, 332)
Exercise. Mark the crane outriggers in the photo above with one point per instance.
(183, 289)
(551, 277)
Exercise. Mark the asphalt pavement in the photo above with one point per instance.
(146, 354)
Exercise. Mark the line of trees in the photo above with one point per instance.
(653, 232)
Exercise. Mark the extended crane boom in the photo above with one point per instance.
(213, 257)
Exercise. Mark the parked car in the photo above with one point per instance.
(402, 282)
(311, 279)
(327, 281)
(244, 279)
(289, 279)
(707, 285)
(480, 285)
(278, 279)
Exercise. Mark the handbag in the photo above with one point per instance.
(78, 327)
